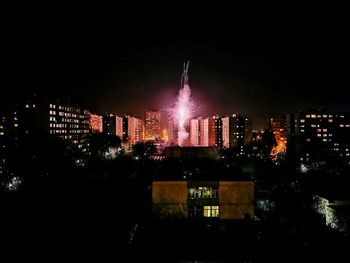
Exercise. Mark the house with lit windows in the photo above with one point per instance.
(200, 189)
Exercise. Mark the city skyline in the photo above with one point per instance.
(257, 68)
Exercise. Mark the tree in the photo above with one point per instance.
(104, 146)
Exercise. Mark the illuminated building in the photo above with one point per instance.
(172, 131)
(204, 132)
(278, 126)
(68, 122)
(234, 132)
(119, 126)
(9, 124)
(109, 124)
(216, 132)
(203, 193)
(194, 132)
(153, 125)
(324, 135)
(199, 132)
(248, 130)
(9, 131)
(95, 123)
(132, 131)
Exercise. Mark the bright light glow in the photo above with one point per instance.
(184, 107)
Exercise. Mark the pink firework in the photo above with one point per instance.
(184, 106)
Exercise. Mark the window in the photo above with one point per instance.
(324, 130)
(307, 116)
(313, 116)
(202, 192)
(211, 211)
(302, 120)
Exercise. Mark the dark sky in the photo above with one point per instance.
(258, 65)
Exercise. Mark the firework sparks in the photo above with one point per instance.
(183, 107)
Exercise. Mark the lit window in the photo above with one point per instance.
(33, 105)
(341, 125)
(313, 125)
(324, 116)
(318, 135)
(313, 116)
(16, 125)
(302, 130)
(324, 130)
(324, 135)
(302, 120)
(324, 140)
(308, 139)
(307, 116)
(319, 130)
(2, 133)
(27, 106)
(330, 116)
(211, 211)
(347, 125)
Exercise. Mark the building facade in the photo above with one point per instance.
(153, 125)
(109, 124)
(67, 122)
(226, 200)
(324, 135)
(95, 123)
(234, 131)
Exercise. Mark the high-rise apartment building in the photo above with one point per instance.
(323, 135)
(233, 131)
(62, 120)
(95, 123)
(153, 125)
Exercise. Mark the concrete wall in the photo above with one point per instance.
(169, 199)
(236, 199)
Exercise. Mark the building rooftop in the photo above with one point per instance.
(204, 169)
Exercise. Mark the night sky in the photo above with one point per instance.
(257, 66)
